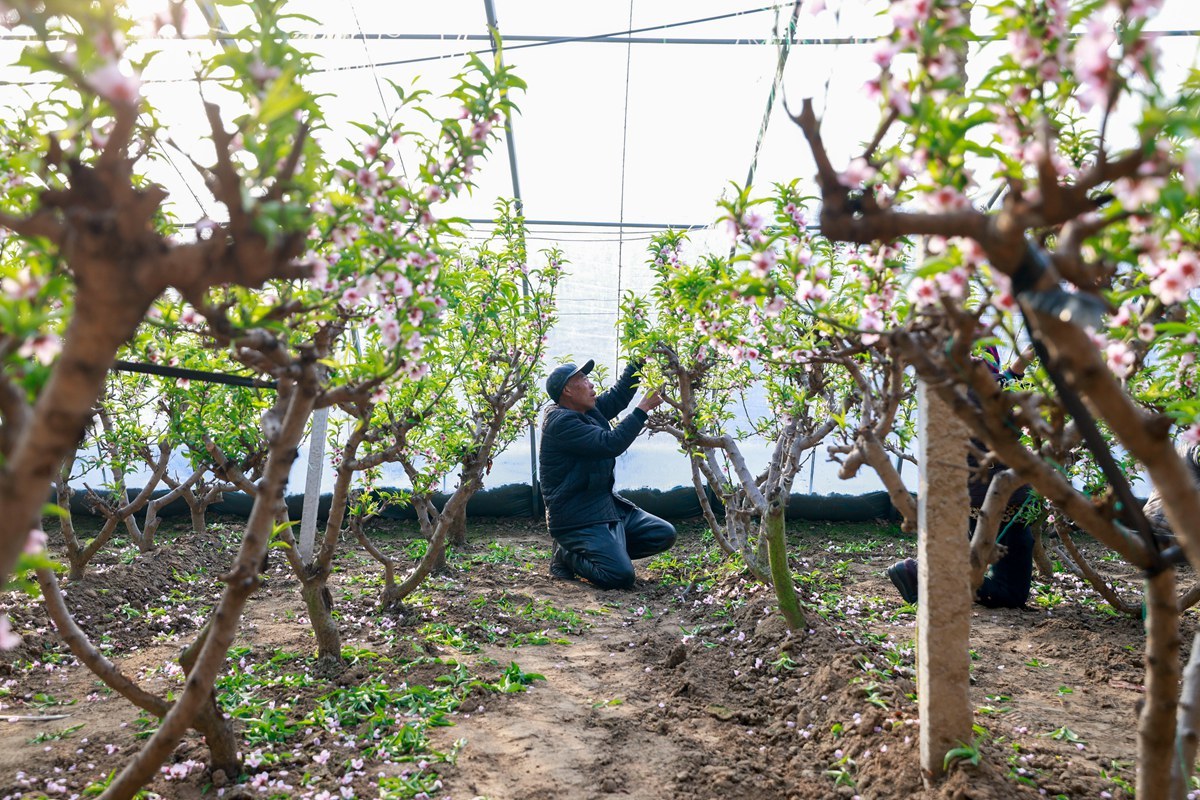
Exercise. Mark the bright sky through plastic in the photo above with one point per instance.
(643, 133)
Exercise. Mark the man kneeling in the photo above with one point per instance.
(596, 532)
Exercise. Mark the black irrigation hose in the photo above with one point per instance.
(193, 375)
(1131, 514)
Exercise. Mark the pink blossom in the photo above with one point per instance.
(367, 179)
(480, 130)
(871, 322)
(753, 222)
(1176, 279)
(402, 287)
(44, 348)
(8, 639)
(1146, 332)
(761, 263)
(109, 44)
(1092, 63)
(907, 14)
(1142, 9)
(943, 65)
(21, 287)
(807, 291)
(114, 85)
(884, 52)
(36, 542)
(1191, 435)
(389, 332)
(1004, 301)
(922, 292)
(1026, 50)
(1120, 358)
(947, 198)
(189, 316)
(1135, 193)
(901, 100)
(351, 297)
(953, 283)
(858, 172)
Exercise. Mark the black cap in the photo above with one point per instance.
(563, 373)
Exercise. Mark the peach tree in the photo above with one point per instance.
(303, 248)
(1019, 207)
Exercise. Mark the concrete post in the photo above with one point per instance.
(944, 609)
(312, 483)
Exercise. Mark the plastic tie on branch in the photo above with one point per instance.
(1083, 310)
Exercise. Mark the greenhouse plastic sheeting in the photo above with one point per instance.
(516, 500)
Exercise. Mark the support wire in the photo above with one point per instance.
(621, 213)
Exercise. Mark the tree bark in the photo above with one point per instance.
(984, 550)
(1187, 725)
(1157, 722)
(65, 405)
(944, 613)
(319, 602)
(781, 572)
(877, 459)
(457, 535)
(1044, 565)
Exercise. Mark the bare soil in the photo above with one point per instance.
(686, 686)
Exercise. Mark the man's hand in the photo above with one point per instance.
(651, 401)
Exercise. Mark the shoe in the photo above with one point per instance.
(904, 578)
(559, 568)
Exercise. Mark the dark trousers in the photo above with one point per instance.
(1006, 584)
(603, 553)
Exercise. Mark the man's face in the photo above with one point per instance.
(581, 392)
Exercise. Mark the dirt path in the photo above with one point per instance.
(588, 730)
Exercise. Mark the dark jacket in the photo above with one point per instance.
(579, 453)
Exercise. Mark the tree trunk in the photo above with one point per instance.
(1044, 564)
(457, 534)
(216, 729)
(1157, 722)
(319, 602)
(984, 551)
(80, 556)
(877, 459)
(199, 519)
(64, 407)
(781, 572)
(1187, 724)
(943, 566)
